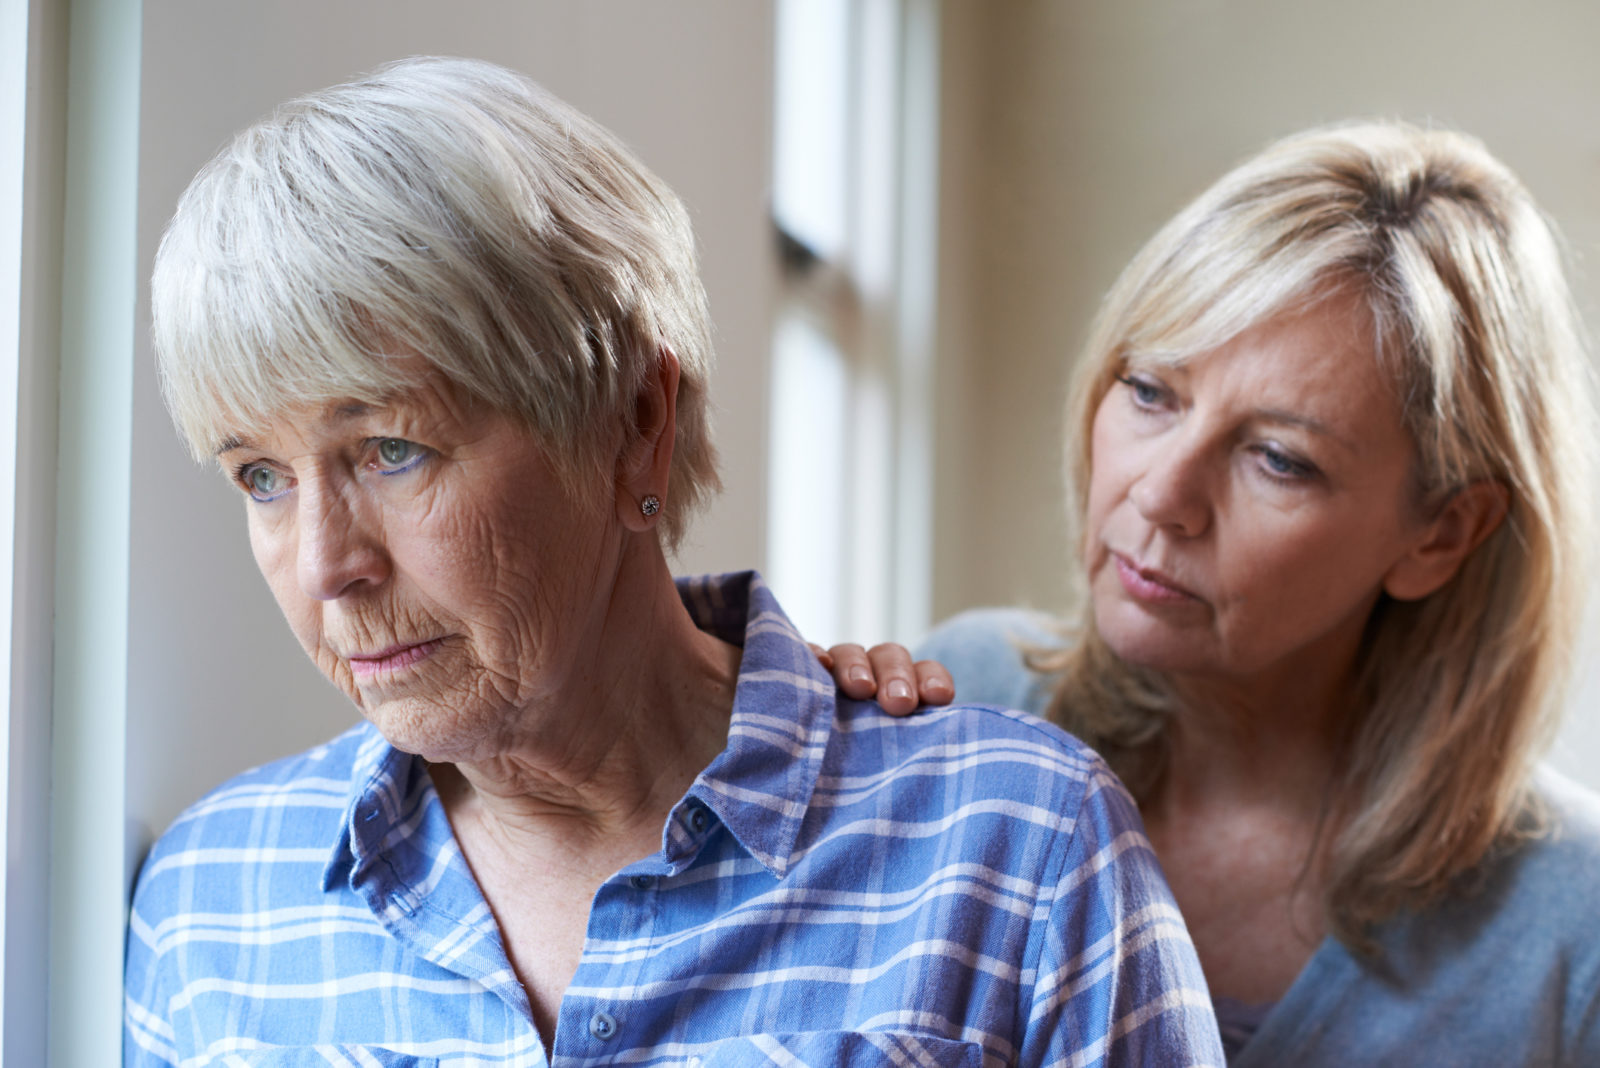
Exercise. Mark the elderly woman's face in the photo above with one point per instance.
(1247, 507)
(430, 562)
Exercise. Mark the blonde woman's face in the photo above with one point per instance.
(1247, 507)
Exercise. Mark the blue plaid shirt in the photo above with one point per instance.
(968, 887)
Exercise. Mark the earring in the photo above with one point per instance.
(650, 505)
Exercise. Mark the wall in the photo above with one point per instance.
(1073, 130)
(216, 682)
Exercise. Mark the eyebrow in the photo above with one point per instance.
(338, 414)
(1316, 426)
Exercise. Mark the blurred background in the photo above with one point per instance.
(907, 209)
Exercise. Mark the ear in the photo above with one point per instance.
(646, 456)
(1470, 515)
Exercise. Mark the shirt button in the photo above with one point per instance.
(643, 882)
(602, 1026)
(698, 819)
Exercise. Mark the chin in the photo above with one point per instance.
(1150, 643)
(427, 729)
(1153, 656)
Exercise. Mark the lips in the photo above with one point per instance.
(1149, 585)
(394, 658)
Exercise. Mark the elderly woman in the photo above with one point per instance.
(1331, 464)
(447, 338)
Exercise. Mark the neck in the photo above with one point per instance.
(1269, 742)
(623, 735)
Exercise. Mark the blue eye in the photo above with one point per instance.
(263, 483)
(1283, 467)
(395, 455)
(1146, 394)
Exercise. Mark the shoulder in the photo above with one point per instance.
(987, 755)
(993, 786)
(1554, 875)
(1517, 936)
(1538, 891)
(1555, 906)
(1527, 910)
(984, 650)
(286, 812)
(316, 780)
(1058, 839)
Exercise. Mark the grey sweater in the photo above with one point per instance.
(1508, 975)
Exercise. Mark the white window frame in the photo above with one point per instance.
(69, 119)
(851, 500)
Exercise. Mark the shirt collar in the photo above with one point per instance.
(759, 786)
(380, 777)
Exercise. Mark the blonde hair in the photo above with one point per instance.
(1474, 322)
(446, 208)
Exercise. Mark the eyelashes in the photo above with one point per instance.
(264, 482)
(1150, 396)
(1283, 466)
(1145, 393)
(396, 456)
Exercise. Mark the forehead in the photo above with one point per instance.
(432, 404)
(1315, 371)
(1318, 360)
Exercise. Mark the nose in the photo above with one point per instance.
(340, 548)
(1173, 490)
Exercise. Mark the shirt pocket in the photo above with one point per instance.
(841, 1049)
(326, 1056)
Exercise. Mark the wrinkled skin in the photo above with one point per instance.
(469, 551)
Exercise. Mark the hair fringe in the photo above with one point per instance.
(455, 211)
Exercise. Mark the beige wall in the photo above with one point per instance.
(1072, 130)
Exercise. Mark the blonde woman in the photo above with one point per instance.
(1330, 455)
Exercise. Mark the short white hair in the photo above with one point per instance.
(449, 208)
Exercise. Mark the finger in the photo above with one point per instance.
(824, 657)
(934, 684)
(852, 671)
(897, 683)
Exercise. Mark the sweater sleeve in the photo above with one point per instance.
(983, 650)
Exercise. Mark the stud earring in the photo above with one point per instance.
(650, 505)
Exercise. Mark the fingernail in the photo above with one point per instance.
(859, 674)
(899, 689)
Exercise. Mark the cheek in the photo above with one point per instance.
(1109, 456)
(276, 559)
(457, 550)
(518, 576)
(1318, 573)
(274, 552)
